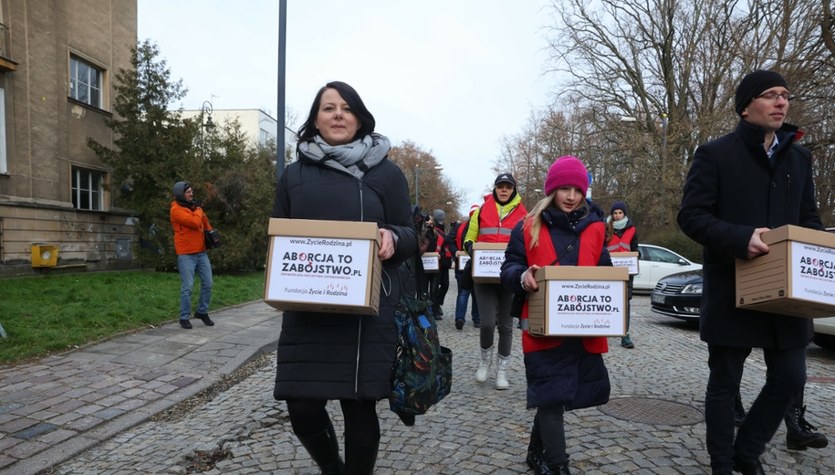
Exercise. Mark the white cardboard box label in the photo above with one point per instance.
(462, 261)
(630, 262)
(430, 262)
(585, 306)
(488, 263)
(319, 270)
(813, 273)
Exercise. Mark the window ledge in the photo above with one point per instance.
(88, 106)
(7, 65)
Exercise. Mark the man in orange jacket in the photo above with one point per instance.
(189, 221)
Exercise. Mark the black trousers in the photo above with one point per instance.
(310, 416)
(551, 426)
(785, 377)
(439, 287)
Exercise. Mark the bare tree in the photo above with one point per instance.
(650, 80)
(429, 188)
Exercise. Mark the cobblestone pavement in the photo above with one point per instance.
(652, 425)
(55, 407)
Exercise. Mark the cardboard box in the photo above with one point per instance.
(488, 258)
(626, 259)
(579, 301)
(461, 259)
(431, 262)
(796, 277)
(323, 266)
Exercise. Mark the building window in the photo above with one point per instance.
(85, 82)
(87, 189)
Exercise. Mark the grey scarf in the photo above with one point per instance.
(355, 158)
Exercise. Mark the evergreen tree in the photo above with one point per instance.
(154, 148)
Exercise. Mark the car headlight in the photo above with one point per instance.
(692, 289)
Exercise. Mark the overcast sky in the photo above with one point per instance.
(452, 76)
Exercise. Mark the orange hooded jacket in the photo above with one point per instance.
(188, 225)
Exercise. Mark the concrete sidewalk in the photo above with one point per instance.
(56, 407)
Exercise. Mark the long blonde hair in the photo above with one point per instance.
(535, 215)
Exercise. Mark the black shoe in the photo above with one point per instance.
(557, 469)
(459, 324)
(563, 469)
(205, 317)
(749, 468)
(477, 324)
(800, 434)
(534, 458)
(185, 323)
(538, 465)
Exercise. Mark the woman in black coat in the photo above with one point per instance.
(343, 174)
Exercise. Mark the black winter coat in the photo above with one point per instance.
(731, 189)
(565, 375)
(341, 356)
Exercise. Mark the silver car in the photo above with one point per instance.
(657, 262)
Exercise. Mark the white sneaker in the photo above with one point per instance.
(501, 373)
(484, 364)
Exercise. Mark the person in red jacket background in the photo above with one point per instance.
(492, 223)
(622, 236)
(439, 283)
(456, 237)
(189, 221)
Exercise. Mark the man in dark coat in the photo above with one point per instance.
(739, 186)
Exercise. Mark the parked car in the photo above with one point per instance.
(825, 333)
(678, 295)
(657, 262)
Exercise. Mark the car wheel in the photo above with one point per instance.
(825, 341)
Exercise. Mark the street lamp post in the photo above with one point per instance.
(417, 182)
(206, 110)
(280, 103)
(209, 126)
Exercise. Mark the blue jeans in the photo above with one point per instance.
(187, 264)
(461, 302)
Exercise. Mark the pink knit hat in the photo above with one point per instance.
(567, 171)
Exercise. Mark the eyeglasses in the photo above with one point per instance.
(772, 96)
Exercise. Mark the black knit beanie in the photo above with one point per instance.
(753, 84)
